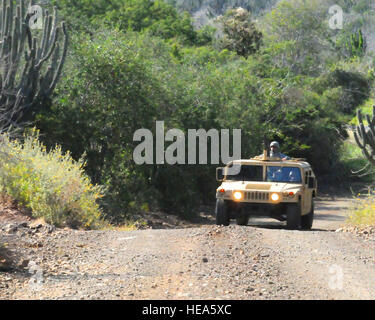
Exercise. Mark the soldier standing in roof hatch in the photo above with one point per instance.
(275, 151)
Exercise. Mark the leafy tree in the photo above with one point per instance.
(116, 84)
(156, 17)
(300, 36)
(240, 33)
(78, 14)
(107, 94)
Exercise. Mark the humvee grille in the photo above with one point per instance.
(256, 195)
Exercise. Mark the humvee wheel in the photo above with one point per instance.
(221, 212)
(293, 216)
(242, 219)
(307, 220)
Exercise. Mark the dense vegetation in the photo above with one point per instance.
(278, 72)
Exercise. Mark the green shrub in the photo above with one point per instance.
(51, 184)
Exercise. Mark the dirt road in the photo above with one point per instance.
(260, 261)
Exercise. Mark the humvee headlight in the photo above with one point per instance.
(237, 195)
(275, 197)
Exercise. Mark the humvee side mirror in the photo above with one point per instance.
(311, 182)
(219, 174)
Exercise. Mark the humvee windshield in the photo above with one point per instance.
(255, 173)
(246, 173)
(284, 174)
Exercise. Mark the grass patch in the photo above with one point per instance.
(129, 225)
(124, 227)
(52, 184)
(362, 213)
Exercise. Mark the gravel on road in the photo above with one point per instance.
(262, 261)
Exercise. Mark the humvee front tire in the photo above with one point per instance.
(242, 219)
(293, 216)
(221, 213)
(307, 220)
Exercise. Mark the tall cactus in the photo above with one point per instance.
(356, 46)
(29, 66)
(365, 136)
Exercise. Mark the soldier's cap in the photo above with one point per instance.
(275, 144)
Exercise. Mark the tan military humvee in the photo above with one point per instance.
(263, 186)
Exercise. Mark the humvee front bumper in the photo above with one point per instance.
(250, 196)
